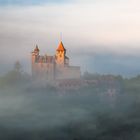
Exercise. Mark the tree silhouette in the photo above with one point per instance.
(17, 67)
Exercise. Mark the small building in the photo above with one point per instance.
(53, 68)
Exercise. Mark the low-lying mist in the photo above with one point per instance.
(106, 110)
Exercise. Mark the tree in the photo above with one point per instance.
(17, 67)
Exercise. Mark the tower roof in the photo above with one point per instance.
(36, 49)
(61, 47)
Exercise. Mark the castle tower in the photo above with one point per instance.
(35, 55)
(60, 55)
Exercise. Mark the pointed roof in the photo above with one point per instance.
(36, 49)
(61, 47)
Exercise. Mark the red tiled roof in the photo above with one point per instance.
(61, 47)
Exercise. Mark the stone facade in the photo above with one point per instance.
(53, 68)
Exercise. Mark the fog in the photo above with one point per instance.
(107, 110)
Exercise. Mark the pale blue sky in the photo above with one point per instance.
(30, 2)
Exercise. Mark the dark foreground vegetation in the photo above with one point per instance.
(102, 111)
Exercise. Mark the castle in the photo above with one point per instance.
(54, 68)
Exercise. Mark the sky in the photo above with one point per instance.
(104, 34)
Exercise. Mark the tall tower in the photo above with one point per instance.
(35, 55)
(60, 55)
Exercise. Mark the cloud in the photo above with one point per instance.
(85, 25)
